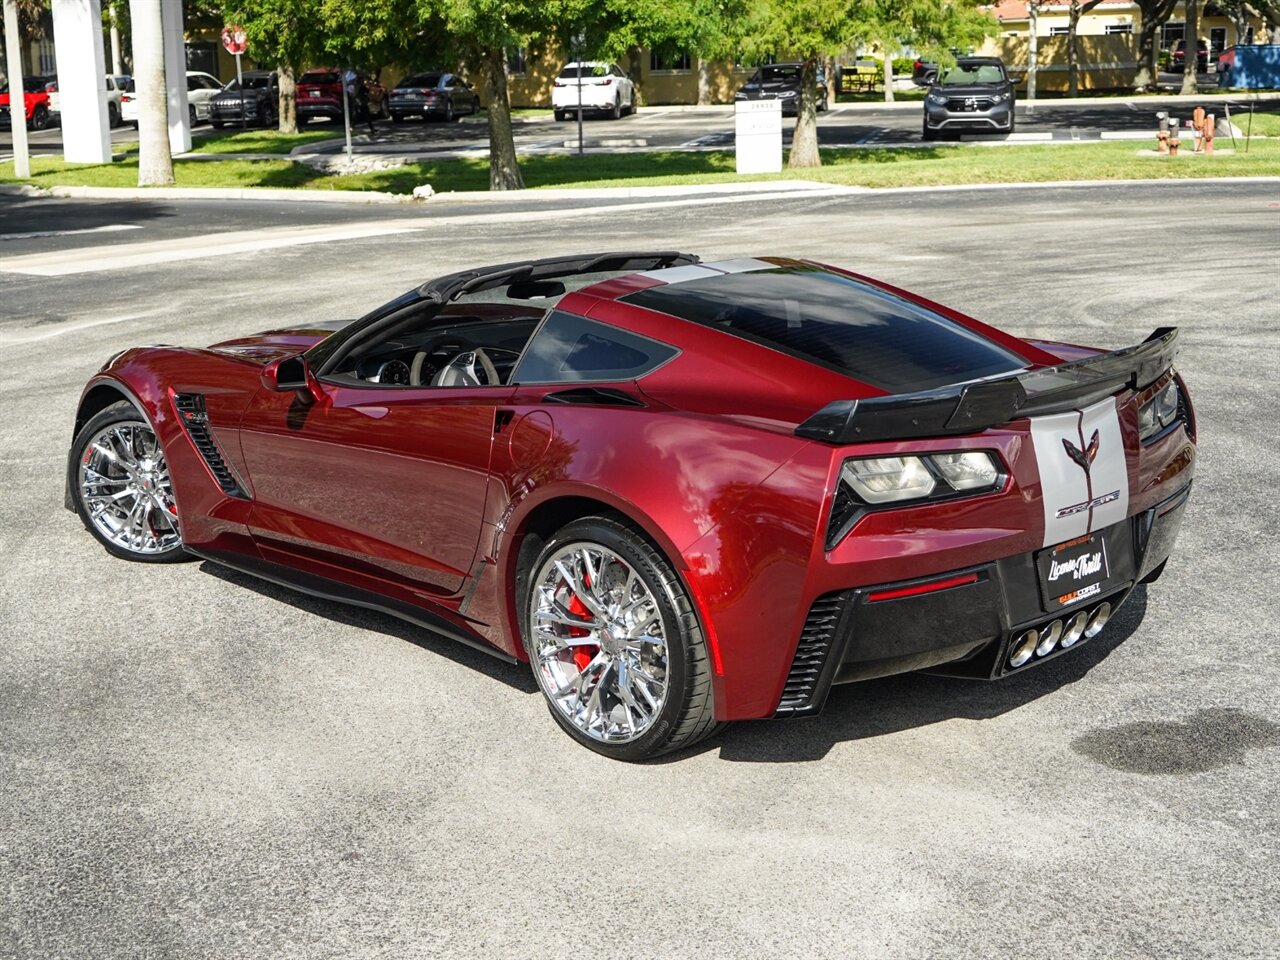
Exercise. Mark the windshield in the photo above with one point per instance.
(959, 76)
(421, 80)
(776, 72)
(250, 83)
(29, 84)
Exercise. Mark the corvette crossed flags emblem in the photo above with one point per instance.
(1083, 458)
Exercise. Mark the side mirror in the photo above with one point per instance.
(289, 373)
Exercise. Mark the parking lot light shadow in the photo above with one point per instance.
(878, 708)
(516, 676)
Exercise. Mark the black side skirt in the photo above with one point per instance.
(327, 589)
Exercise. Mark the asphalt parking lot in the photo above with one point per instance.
(193, 764)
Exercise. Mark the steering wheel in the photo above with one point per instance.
(461, 370)
(434, 345)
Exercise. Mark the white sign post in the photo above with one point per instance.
(758, 135)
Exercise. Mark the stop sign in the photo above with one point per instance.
(233, 39)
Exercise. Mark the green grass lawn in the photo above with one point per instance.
(263, 141)
(884, 167)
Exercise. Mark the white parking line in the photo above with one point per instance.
(125, 255)
(51, 332)
(37, 234)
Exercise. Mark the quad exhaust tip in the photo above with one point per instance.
(1058, 634)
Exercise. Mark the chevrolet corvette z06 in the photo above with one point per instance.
(683, 493)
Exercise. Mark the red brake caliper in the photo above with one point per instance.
(581, 655)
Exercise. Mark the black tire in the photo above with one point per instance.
(216, 124)
(561, 116)
(616, 112)
(191, 115)
(1013, 122)
(113, 114)
(449, 115)
(268, 117)
(118, 413)
(40, 117)
(823, 104)
(686, 715)
(926, 133)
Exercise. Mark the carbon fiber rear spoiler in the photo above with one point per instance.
(970, 407)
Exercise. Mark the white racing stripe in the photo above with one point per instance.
(1084, 475)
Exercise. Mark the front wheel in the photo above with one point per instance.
(40, 117)
(926, 133)
(216, 124)
(121, 489)
(615, 644)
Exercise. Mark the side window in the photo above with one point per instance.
(569, 348)
(194, 83)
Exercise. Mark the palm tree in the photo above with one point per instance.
(155, 162)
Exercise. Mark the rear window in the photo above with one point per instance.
(421, 80)
(837, 322)
(320, 76)
(588, 70)
(569, 348)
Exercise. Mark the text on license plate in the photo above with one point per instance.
(1073, 571)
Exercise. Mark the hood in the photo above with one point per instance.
(284, 342)
(969, 89)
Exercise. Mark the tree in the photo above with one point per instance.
(931, 27)
(1074, 13)
(284, 34)
(155, 162)
(1155, 13)
(1191, 61)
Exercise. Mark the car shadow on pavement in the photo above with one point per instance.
(516, 676)
(877, 708)
(21, 215)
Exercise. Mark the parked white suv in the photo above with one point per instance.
(604, 89)
(201, 88)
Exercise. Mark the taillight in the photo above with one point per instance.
(126, 98)
(919, 64)
(557, 83)
(50, 88)
(605, 82)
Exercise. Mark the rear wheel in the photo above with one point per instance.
(191, 114)
(561, 116)
(113, 114)
(121, 489)
(40, 117)
(616, 112)
(615, 644)
(216, 124)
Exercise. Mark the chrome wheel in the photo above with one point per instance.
(124, 485)
(598, 642)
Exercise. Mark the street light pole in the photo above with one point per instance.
(17, 92)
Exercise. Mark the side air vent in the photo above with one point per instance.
(803, 692)
(195, 419)
(597, 396)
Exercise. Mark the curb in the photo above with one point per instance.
(20, 190)
(226, 193)
(634, 193)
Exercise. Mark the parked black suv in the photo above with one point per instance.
(975, 95)
(781, 81)
(259, 100)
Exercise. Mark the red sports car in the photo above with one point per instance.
(683, 492)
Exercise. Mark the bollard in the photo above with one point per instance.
(1197, 125)
(1173, 146)
(1162, 135)
(1210, 122)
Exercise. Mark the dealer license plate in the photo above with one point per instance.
(1073, 571)
(314, 93)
